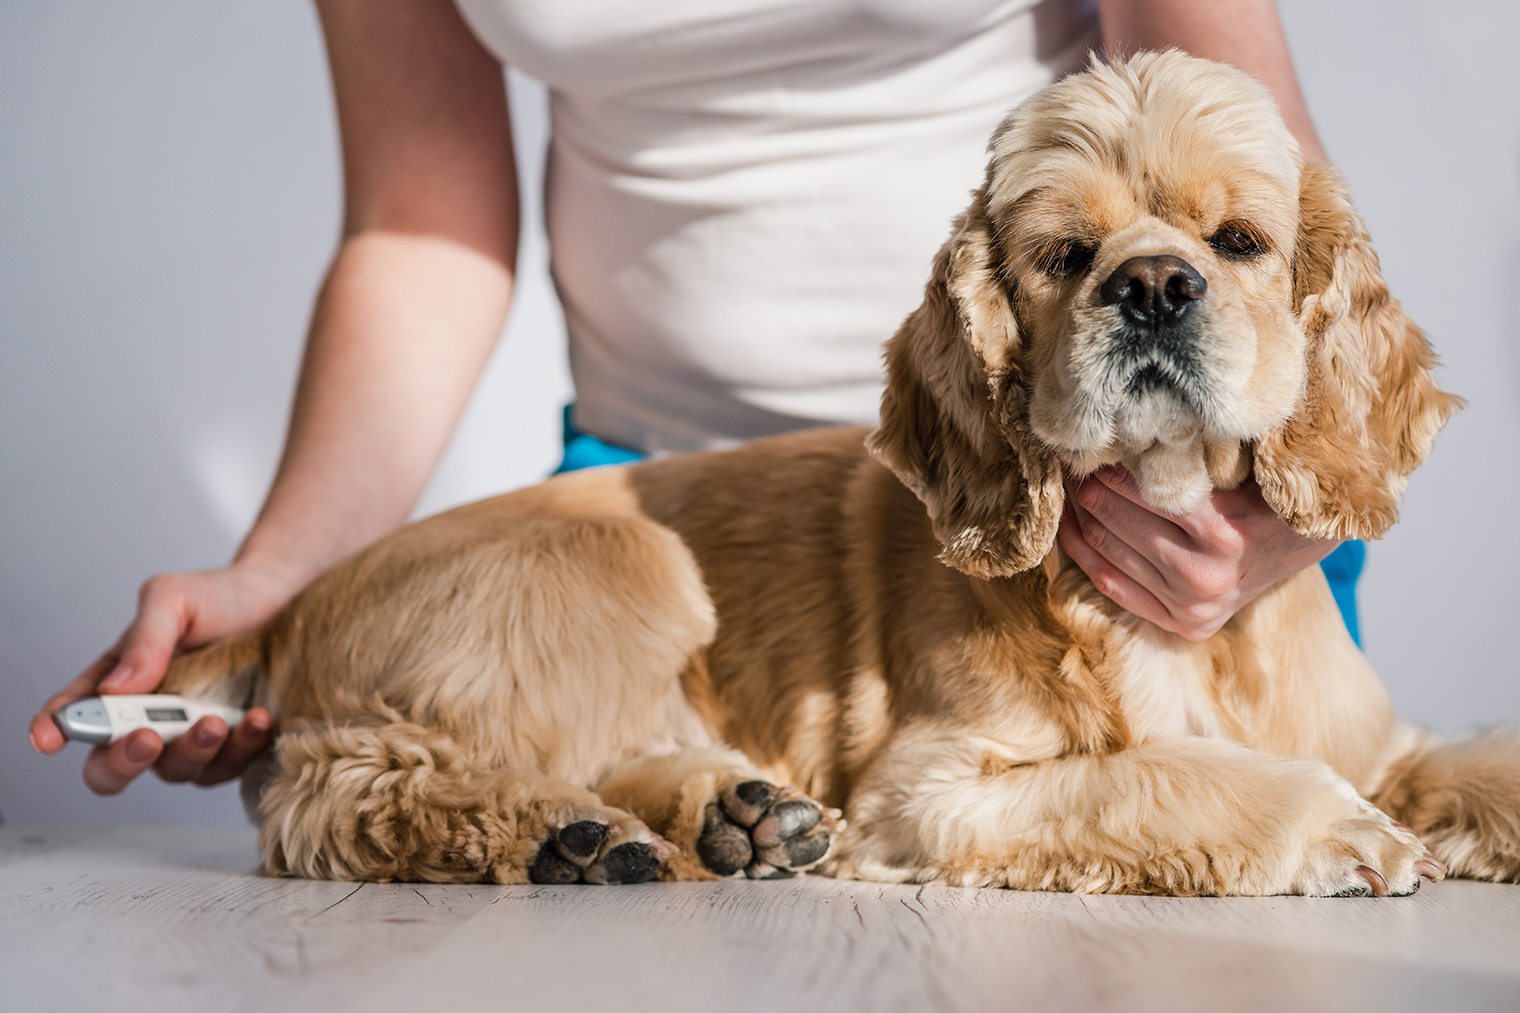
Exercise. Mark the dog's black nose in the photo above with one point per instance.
(1155, 291)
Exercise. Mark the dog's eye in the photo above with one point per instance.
(1236, 239)
(1065, 260)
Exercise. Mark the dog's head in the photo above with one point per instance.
(1152, 275)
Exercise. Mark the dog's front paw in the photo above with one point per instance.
(590, 851)
(767, 831)
(1366, 854)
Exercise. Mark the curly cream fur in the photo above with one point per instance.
(893, 630)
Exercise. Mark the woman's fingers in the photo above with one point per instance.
(250, 737)
(136, 664)
(209, 754)
(187, 756)
(1212, 526)
(206, 754)
(1195, 623)
(1111, 496)
(1173, 580)
(175, 611)
(1139, 543)
(1120, 588)
(1198, 557)
(109, 769)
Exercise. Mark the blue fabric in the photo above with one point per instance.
(1342, 567)
(583, 450)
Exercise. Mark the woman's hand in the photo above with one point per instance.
(1186, 574)
(175, 611)
(405, 323)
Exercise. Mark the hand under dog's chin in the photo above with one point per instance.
(1171, 477)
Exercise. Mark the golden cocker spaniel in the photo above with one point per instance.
(864, 652)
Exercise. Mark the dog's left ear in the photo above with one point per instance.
(1370, 410)
(953, 423)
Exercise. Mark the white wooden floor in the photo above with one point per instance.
(160, 919)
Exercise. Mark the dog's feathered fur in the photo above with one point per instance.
(893, 631)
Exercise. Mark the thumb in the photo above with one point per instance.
(163, 617)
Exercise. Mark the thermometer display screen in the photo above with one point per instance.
(166, 714)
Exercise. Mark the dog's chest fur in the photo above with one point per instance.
(1165, 686)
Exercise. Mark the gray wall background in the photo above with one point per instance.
(169, 197)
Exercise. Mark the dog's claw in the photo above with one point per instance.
(1431, 868)
(1374, 880)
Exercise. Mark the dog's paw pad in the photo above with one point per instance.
(633, 862)
(580, 842)
(724, 846)
(785, 821)
(769, 832)
(589, 851)
(553, 868)
(797, 852)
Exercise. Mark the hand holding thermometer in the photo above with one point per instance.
(102, 720)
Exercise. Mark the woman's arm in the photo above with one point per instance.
(1246, 34)
(407, 317)
(1191, 574)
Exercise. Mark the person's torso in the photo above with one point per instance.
(744, 196)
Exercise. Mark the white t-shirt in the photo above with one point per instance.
(744, 196)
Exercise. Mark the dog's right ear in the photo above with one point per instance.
(954, 425)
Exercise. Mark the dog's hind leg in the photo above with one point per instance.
(397, 801)
(229, 671)
(1463, 799)
(724, 815)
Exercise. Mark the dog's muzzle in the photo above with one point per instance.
(1155, 340)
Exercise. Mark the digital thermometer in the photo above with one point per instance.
(102, 720)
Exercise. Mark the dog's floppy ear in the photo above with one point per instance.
(953, 423)
(1338, 467)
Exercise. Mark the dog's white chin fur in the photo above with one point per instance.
(1162, 443)
(1174, 476)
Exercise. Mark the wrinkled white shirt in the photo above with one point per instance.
(744, 196)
